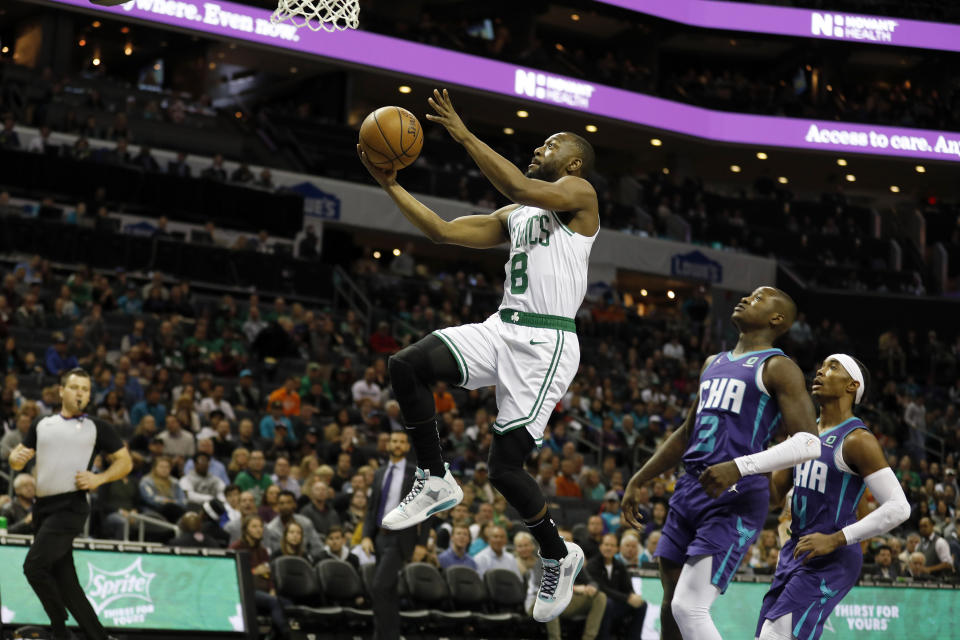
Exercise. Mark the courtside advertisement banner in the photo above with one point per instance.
(240, 22)
(866, 613)
(135, 590)
(802, 23)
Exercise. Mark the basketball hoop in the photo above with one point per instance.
(328, 15)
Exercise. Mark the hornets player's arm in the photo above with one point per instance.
(780, 483)
(862, 453)
(476, 232)
(666, 457)
(784, 381)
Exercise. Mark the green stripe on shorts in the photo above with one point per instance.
(542, 394)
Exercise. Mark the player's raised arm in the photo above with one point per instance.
(477, 232)
(570, 192)
(784, 380)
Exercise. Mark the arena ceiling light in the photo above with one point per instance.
(591, 128)
(671, 294)
(782, 180)
(575, 17)
(921, 169)
(851, 178)
(894, 188)
(523, 114)
(396, 252)
(761, 155)
(644, 292)
(735, 168)
(841, 162)
(508, 131)
(656, 142)
(404, 89)
(376, 255)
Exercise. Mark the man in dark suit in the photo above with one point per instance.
(886, 568)
(391, 483)
(179, 167)
(624, 607)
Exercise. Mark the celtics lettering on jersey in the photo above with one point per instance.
(547, 269)
(735, 416)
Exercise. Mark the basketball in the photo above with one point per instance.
(391, 137)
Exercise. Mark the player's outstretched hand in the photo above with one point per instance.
(630, 508)
(385, 177)
(818, 544)
(719, 477)
(446, 115)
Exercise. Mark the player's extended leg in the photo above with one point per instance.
(779, 629)
(669, 576)
(562, 560)
(413, 371)
(692, 599)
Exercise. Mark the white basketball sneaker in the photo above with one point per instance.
(429, 495)
(556, 585)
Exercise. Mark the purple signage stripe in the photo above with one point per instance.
(803, 23)
(234, 21)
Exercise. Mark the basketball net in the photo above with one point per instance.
(328, 15)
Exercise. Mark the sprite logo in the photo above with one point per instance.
(123, 596)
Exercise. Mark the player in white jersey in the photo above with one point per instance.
(528, 349)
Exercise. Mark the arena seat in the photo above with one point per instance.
(342, 586)
(468, 592)
(428, 589)
(296, 580)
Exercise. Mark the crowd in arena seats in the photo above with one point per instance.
(260, 424)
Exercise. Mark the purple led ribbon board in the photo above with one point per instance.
(241, 22)
(803, 23)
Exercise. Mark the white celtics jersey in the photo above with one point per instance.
(547, 269)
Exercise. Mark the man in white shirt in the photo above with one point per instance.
(673, 349)
(199, 484)
(367, 388)
(215, 401)
(494, 556)
(935, 549)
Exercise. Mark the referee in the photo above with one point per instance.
(65, 446)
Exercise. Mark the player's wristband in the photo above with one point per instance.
(798, 448)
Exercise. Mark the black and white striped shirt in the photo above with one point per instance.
(66, 446)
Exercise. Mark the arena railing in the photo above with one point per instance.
(142, 521)
(345, 288)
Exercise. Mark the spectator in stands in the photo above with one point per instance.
(57, 360)
(119, 503)
(611, 511)
(288, 397)
(916, 568)
(178, 443)
(382, 342)
(336, 549)
(591, 544)
(495, 556)
(525, 548)
(216, 402)
(152, 405)
(367, 388)
(42, 142)
(318, 510)
(8, 136)
(199, 484)
(215, 171)
(268, 504)
(145, 160)
(443, 399)
(179, 167)
(546, 480)
(624, 608)
(275, 418)
(19, 511)
(245, 435)
(113, 411)
(456, 554)
(935, 549)
(30, 314)
(254, 479)
(886, 568)
(646, 556)
(246, 396)
(308, 246)
(281, 476)
(242, 174)
(160, 491)
(265, 181)
(566, 481)
(246, 506)
(191, 534)
(286, 513)
(629, 553)
(265, 593)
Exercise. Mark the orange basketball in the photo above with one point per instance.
(391, 137)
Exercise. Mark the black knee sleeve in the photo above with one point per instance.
(414, 370)
(507, 475)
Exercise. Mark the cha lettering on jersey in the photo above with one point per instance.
(811, 475)
(532, 231)
(725, 394)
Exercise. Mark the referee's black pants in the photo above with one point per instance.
(49, 565)
(386, 605)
